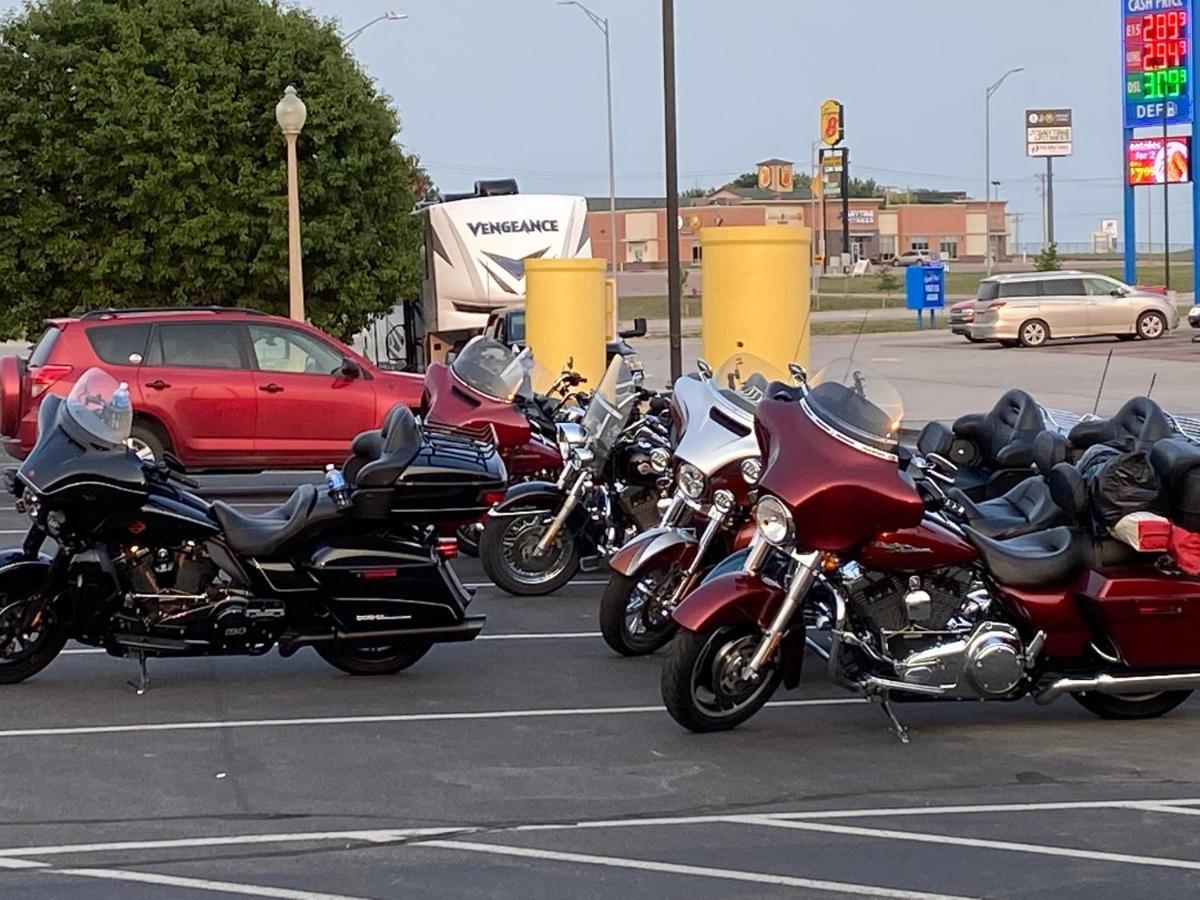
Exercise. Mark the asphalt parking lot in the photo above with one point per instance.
(534, 762)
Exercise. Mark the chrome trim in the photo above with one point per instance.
(759, 548)
(564, 511)
(844, 438)
(1117, 685)
(802, 580)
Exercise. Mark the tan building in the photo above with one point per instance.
(955, 230)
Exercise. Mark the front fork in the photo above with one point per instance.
(568, 506)
(716, 521)
(802, 580)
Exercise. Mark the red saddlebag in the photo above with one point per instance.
(1153, 619)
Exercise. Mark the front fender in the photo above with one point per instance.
(733, 599)
(16, 560)
(653, 549)
(527, 496)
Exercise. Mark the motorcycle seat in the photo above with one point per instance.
(265, 533)
(368, 446)
(1041, 558)
(1028, 506)
(399, 447)
(1139, 423)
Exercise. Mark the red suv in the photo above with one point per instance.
(220, 388)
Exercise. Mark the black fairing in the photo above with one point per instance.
(65, 466)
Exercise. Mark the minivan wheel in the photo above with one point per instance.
(1034, 333)
(1151, 325)
(147, 441)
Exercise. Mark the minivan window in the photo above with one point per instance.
(1101, 287)
(198, 345)
(120, 345)
(1020, 289)
(1064, 287)
(45, 346)
(988, 290)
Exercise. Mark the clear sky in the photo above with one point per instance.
(488, 88)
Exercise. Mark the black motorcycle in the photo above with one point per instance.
(144, 567)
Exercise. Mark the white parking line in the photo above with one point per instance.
(649, 865)
(979, 843)
(199, 884)
(515, 636)
(375, 720)
(19, 531)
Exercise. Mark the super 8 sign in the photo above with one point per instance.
(832, 123)
(1157, 44)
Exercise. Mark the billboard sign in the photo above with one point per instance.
(833, 123)
(1157, 47)
(1048, 132)
(1147, 162)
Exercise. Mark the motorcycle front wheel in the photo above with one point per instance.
(386, 659)
(632, 619)
(507, 549)
(30, 639)
(702, 684)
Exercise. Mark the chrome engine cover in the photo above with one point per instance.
(990, 662)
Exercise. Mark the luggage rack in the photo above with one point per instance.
(1063, 421)
(479, 443)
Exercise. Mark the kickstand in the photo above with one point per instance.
(143, 682)
(899, 730)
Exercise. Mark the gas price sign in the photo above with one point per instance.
(1158, 49)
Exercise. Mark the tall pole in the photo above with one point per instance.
(674, 300)
(1050, 199)
(987, 160)
(1166, 208)
(295, 267)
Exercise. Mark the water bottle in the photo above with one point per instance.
(118, 415)
(337, 487)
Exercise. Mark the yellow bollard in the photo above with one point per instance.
(756, 293)
(564, 317)
(610, 309)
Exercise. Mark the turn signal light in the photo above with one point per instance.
(41, 378)
(491, 498)
(447, 548)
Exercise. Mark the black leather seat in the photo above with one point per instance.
(264, 534)
(1025, 508)
(1139, 423)
(1041, 558)
(368, 446)
(400, 446)
(1177, 462)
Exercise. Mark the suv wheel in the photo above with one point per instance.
(147, 441)
(1151, 325)
(1034, 333)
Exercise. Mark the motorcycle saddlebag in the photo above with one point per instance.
(1152, 619)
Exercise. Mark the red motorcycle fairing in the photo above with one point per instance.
(1053, 610)
(930, 545)
(650, 549)
(840, 495)
(1152, 619)
(730, 600)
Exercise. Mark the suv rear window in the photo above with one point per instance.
(988, 290)
(45, 346)
(120, 345)
(202, 345)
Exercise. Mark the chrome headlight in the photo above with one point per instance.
(752, 470)
(691, 481)
(660, 459)
(634, 362)
(723, 501)
(773, 520)
(570, 435)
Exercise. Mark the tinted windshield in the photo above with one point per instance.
(609, 408)
(743, 378)
(857, 402)
(492, 368)
(100, 406)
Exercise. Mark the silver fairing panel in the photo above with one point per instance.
(707, 442)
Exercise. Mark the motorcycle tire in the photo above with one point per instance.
(496, 550)
(615, 624)
(384, 660)
(1114, 706)
(44, 651)
(691, 653)
(468, 541)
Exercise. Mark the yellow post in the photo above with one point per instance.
(564, 316)
(756, 293)
(610, 309)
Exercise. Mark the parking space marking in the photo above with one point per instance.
(646, 865)
(21, 531)
(978, 843)
(1180, 809)
(21, 864)
(514, 636)
(476, 585)
(200, 884)
(377, 719)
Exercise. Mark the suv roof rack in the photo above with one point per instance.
(112, 312)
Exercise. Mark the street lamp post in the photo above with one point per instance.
(987, 155)
(291, 113)
(602, 23)
(386, 17)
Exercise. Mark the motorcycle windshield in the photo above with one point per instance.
(100, 407)
(493, 368)
(856, 402)
(609, 408)
(743, 378)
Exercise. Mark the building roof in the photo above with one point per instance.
(775, 161)
(758, 195)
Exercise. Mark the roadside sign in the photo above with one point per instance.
(833, 123)
(1157, 45)
(1155, 161)
(1048, 132)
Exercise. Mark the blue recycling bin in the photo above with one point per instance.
(925, 289)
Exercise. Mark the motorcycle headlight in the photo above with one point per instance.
(723, 501)
(660, 459)
(752, 470)
(773, 520)
(635, 363)
(691, 481)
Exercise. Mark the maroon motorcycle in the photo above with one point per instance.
(920, 608)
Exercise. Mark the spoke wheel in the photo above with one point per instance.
(704, 685)
(31, 636)
(508, 550)
(1034, 333)
(1151, 326)
(635, 617)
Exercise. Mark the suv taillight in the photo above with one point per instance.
(996, 304)
(41, 378)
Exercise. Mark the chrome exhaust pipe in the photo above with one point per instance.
(1118, 684)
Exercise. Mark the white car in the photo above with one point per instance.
(1194, 316)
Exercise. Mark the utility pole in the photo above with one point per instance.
(1045, 219)
(1049, 200)
(674, 289)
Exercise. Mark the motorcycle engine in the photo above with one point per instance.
(935, 629)
(641, 505)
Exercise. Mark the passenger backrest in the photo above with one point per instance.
(1016, 415)
(1140, 422)
(1049, 449)
(401, 443)
(1177, 462)
(1068, 490)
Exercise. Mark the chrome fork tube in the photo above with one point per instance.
(569, 504)
(759, 548)
(715, 521)
(673, 513)
(802, 580)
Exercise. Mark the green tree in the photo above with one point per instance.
(888, 282)
(141, 165)
(745, 180)
(1048, 260)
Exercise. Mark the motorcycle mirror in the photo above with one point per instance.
(798, 372)
(638, 330)
(704, 368)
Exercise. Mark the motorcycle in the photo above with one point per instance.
(923, 609)
(542, 533)
(718, 466)
(144, 567)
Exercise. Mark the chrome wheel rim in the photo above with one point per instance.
(717, 686)
(141, 449)
(647, 610)
(517, 551)
(18, 639)
(1152, 327)
(1034, 334)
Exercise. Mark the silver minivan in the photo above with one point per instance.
(1030, 308)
